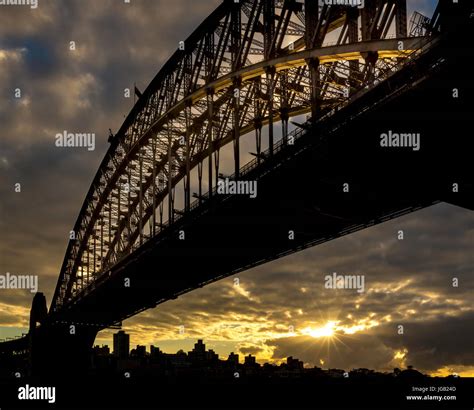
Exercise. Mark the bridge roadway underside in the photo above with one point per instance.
(301, 190)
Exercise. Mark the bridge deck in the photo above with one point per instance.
(300, 189)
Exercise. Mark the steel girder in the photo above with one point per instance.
(251, 63)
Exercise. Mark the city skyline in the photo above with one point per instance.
(199, 354)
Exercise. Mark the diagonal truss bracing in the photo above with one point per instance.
(250, 64)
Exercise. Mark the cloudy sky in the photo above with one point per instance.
(276, 310)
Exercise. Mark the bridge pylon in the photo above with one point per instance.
(58, 349)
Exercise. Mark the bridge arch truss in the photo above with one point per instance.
(249, 65)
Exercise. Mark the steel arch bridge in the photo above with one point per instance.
(250, 64)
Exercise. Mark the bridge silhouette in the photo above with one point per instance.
(154, 225)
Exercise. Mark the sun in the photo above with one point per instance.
(328, 330)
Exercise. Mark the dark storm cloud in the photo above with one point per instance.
(432, 344)
(250, 350)
(80, 90)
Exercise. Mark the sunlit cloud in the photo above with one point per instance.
(12, 56)
(13, 315)
(327, 330)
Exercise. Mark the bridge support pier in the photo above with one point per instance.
(58, 349)
(55, 351)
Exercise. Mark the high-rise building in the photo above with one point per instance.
(140, 351)
(294, 364)
(101, 350)
(250, 360)
(155, 351)
(198, 354)
(121, 344)
(199, 347)
(212, 356)
(233, 358)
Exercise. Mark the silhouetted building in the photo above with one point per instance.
(363, 373)
(198, 354)
(410, 373)
(233, 358)
(121, 344)
(206, 364)
(335, 373)
(212, 356)
(155, 351)
(316, 372)
(180, 359)
(101, 350)
(138, 352)
(294, 364)
(199, 347)
(251, 362)
(101, 357)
